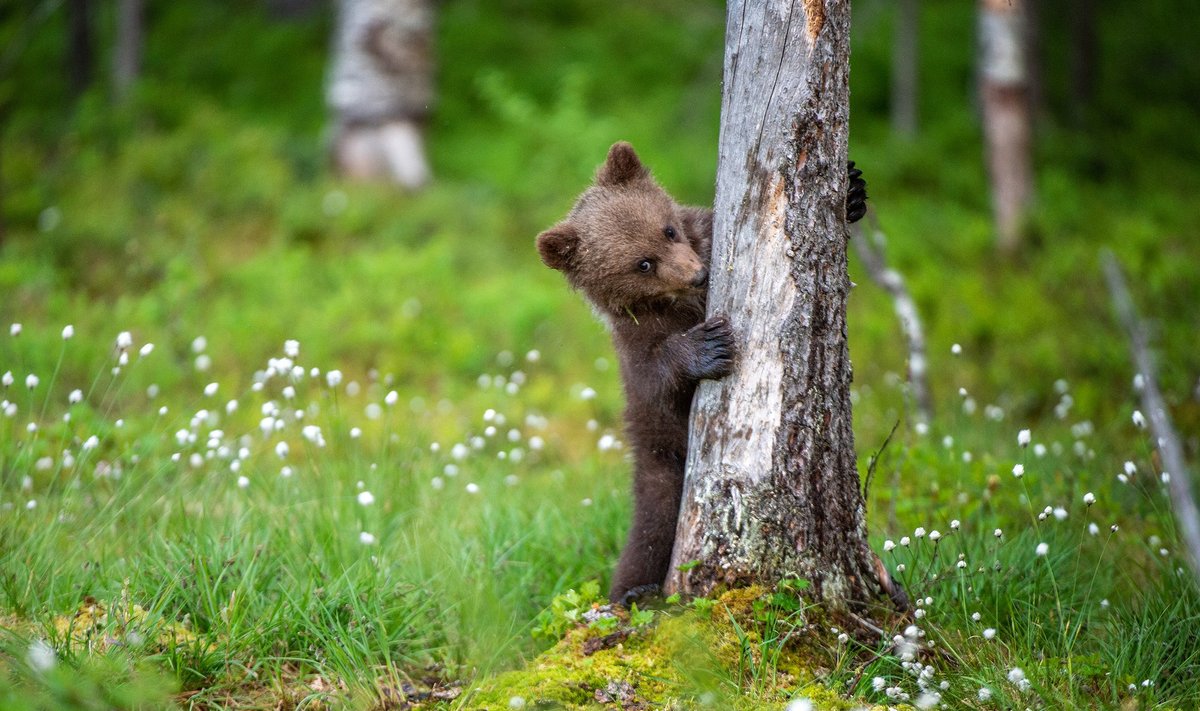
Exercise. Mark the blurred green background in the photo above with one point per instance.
(203, 205)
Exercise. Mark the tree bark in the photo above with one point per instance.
(904, 68)
(771, 488)
(381, 88)
(1007, 122)
(127, 48)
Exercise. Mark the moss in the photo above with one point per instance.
(687, 658)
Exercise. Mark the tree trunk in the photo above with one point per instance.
(771, 489)
(904, 68)
(80, 54)
(1007, 123)
(127, 48)
(1082, 59)
(380, 89)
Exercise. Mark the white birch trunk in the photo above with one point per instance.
(380, 89)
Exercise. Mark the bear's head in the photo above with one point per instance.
(624, 243)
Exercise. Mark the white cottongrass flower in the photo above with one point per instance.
(516, 702)
(800, 705)
(889, 545)
(1015, 675)
(472, 488)
(956, 349)
(242, 481)
(1060, 513)
(989, 633)
(1139, 420)
(976, 616)
(587, 394)
(146, 350)
(281, 448)
(355, 432)
(90, 443)
(1039, 450)
(905, 540)
(75, 396)
(1042, 549)
(1018, 470)
(366, 498)
(437, 483)
(291, 348)
(1130, 468)
(878, 683)
(367, 539)
(31, 381)
(606, 443)
(286, 472)
(934, 535)
(68, 332)
(954, 525)
(41, 656)
(199, 344)
(391, 398)
(7, 379)
(203, 362)
(984, 693)
(210, 389)
(14, 330)
(1024, 437)
(334, 378)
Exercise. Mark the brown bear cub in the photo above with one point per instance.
(642, 261)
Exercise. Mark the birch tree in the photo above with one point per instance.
(772, 489)
(1007, 118)
(380, 89)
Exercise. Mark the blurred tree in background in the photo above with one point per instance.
(381, 88)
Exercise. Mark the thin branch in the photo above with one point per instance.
(1187, 516)
(892, 282)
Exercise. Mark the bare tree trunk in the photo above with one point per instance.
(1007, 124)
(127, 49)
(904, 68)
(380, 89)
(1183, 502)
(771, 489)
(80, 52)
(870, 248)
(1082, 59)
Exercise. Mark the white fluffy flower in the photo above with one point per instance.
(366, 539)
(242, 481)
(31, 381)
(1023, 438)
(366, 498)
(1139, 420)
(334, 378)
(291, 348)
(68, 332)
(1042, 549)
(14, 330)
(41, 656)
(1018, 470)
(989, 633)
(7, 379)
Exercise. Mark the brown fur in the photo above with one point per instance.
(663, 343)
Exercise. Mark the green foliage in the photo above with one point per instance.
(566, 610)
(202, 207)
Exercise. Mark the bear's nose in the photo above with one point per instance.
(700, 278)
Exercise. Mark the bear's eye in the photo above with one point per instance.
(670, 232)
(645, 266)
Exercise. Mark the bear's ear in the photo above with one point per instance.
(621, 166)
(557, 245)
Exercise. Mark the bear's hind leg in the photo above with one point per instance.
(647, 554)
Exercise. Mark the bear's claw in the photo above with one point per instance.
(856, 195)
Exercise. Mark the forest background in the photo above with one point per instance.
(198, 213)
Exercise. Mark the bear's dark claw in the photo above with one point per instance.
(640, 593)
(856, 195)
(714, 348)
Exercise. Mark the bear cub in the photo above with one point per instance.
(642, 261)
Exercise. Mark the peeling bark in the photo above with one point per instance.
(772, 490)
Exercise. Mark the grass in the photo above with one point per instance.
(147, 572)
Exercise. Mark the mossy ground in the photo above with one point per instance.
(734, 654)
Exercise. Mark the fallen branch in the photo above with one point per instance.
(1187, 516)
(870, 251)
